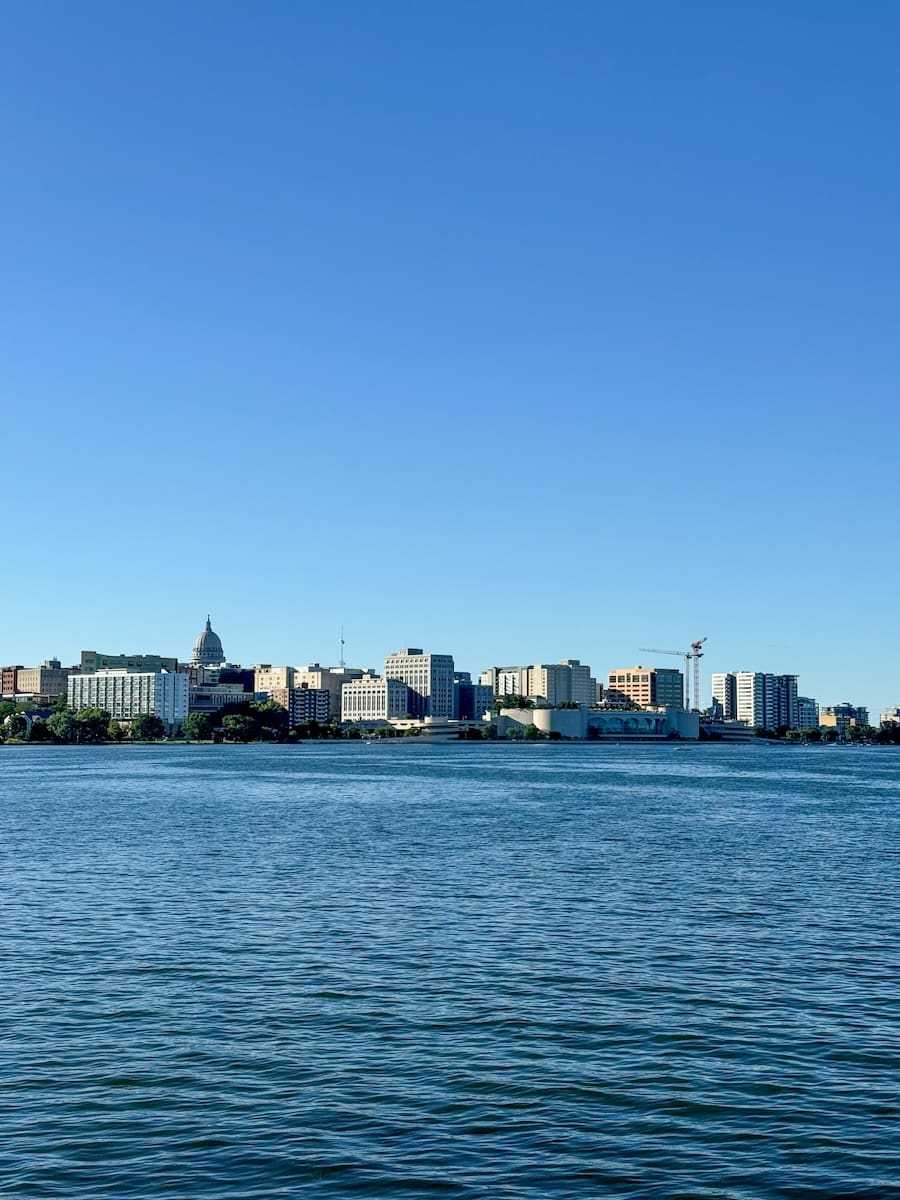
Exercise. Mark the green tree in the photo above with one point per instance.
(270, 718)
(198, 727)
(91, 725)
(7, 708)
(239, 728)
(63, 726)
(115, 732)
(533, 734)
(147, 727)
(38, 732)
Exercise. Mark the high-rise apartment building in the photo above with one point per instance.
(267, 678)
(429, 678)
(125, 694)
(759, 698)
(648, 687)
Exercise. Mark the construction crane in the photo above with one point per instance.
(693, 655)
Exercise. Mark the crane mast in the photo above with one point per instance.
(690, 656)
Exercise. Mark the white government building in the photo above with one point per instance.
(125, 694)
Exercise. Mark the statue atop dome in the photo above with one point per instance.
(208, 650)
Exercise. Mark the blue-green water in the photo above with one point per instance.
(462, 971)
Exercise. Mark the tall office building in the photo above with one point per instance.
(429, 678)
(648, 687)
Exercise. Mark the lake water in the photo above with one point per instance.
(463, 971)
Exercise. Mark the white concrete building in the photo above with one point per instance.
(429, 678)
(375, 698)
(125, 694)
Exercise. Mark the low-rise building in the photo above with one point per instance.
(891, 716)
(8, 681)
(842, 717)
(46, 681)
(126, 694)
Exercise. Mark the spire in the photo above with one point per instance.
(208, 626)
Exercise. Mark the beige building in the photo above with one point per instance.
(267, 678)
(647, 687)
(429, 678)
(374, 698)
(329, 679)
(49, 679)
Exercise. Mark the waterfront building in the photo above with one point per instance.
(94, 660)
(807, 713)
(761, 699)
(126, 694)
(207, 650)
(891, 716)
(303, 703)
(47, 681)
(329, 679)
(375, 698)
(647, 687)
(429, 678)
(568, 681)
(842, 717)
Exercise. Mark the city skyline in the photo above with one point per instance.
(515, 326)
(600, 668)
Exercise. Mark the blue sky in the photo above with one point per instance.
(516, 330)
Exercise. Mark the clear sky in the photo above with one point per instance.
(516, 330)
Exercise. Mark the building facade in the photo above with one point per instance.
(126, 694)
(375, 698)
(303, 704)
(329, 679)
(429, 678)
(647, 687)
(807, 713)
(94, 660)
(842, 717)
(763, 700)
(48, 680)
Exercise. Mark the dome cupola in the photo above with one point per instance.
(208, 650)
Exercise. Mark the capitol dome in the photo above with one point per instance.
(208, 650)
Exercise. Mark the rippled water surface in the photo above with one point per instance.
(469, 971)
